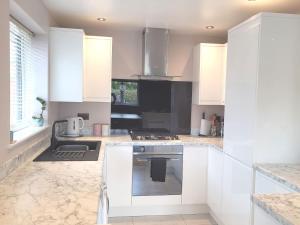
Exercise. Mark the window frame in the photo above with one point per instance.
(138, 90)
(25, 122)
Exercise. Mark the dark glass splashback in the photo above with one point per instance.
(161, 105)
(155, 96)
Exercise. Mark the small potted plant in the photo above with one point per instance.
(39, 120)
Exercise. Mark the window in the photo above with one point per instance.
(21, 99)
(125, 92)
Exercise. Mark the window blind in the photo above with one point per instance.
(21, 98)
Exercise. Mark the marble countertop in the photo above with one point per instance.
(285, 208)
(286, 174)
(64, 193)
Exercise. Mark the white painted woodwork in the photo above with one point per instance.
(262, 218)
(119, 175)
(236, 192)
(209, 72)
(214, 181)
(66, 64)
(267, 185)
(194, 174)
(98, 68)
(262, 90)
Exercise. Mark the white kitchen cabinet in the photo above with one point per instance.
(66, 64)
(263, 89)
(80, 66)
(119, 175)
(262, 218)
(236, 192)
(194, 175)
(267, 185)
(209, 72)
(98, 67)
(214, 181)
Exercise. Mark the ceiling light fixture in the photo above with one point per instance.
(101, 19)
(209, 27)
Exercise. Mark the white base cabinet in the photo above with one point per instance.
(119, 175)
(215, 181)
(266, 185)
(236, 192)
(194, 175)
(262, 218)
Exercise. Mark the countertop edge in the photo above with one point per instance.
(260, 168)
(269, 210)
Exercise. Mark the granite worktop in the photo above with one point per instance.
(286, 174)
(64, 193)
(285, 208)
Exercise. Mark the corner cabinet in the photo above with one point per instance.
(80, 66)
(209, 74)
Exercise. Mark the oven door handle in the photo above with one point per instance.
(149, 159)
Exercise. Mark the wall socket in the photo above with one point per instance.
(85, 116)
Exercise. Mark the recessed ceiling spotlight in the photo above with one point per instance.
(101, 19)
(210, 27)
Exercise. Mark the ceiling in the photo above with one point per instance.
(190, 16)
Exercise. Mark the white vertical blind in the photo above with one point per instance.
(21, 91)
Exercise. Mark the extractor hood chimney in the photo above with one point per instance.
(155, 52)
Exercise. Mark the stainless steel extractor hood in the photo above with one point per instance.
(155, 52)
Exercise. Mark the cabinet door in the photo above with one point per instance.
(212, 65)
(66, 64)
(266, 185)
(194, 175)
(237, 186)
(98, 66)
(241, 98)
(119, 175)
(209, 68)
(214, 181)
(262, 218)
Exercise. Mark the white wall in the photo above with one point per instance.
(4, 77)
(127, 62)
(34, 15)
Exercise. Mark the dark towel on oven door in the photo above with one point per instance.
(158, 169)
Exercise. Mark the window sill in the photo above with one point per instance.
(25, 134)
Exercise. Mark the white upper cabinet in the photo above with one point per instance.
(98, 59)
(80, 66)
(262, 90)
(209, 72)
(66, 64)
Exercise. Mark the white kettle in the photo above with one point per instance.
(74, 127)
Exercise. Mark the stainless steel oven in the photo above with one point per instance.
(157, 170)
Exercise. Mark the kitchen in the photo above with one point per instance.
(128, 124)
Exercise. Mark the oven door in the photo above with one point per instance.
(142, 183)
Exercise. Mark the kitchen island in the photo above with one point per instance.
(62, 193)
